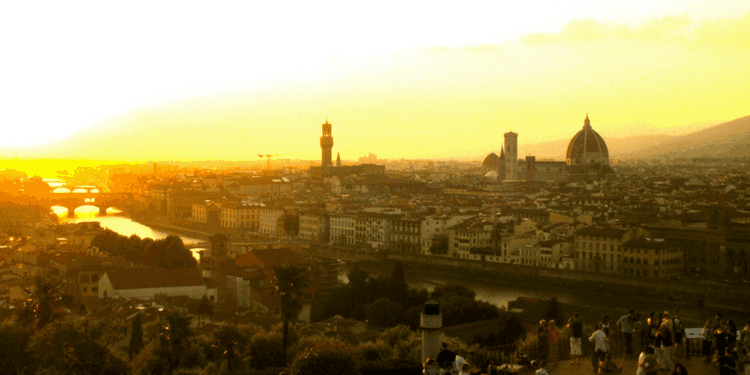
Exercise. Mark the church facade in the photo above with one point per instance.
(587, 158)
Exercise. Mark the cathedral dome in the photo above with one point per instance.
(492, 161)
(587, 147)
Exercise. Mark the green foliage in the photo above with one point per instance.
(46, 295)
(397, 286)
(136, 338)
(554, 312)
(326, 358)
(15, 357)
(385, 312)
(513, 330)
(230, 342)
(290, 283)
(374, 351)
(446, 292)
(169, 253)
(265, 350)
(172, 351)
(78, 346)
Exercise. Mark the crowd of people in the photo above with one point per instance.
(661, 338)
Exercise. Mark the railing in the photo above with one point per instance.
(504, 354)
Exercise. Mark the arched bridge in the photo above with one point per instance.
(72, 197)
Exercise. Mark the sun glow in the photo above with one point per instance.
(428, 80)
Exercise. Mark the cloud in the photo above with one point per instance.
(679, 29)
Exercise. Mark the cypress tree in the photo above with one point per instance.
(136, 338)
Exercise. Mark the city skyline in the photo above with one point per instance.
(660, 69)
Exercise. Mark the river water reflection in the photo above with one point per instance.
(496, 293)
(121, 225)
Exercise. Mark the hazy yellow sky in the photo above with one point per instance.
(419, 79)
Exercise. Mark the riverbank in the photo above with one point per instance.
(177, 230)
(589, 298)
(586, 290)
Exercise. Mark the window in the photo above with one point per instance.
(84, 289)
(95, 289)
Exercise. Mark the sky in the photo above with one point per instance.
(229, 80)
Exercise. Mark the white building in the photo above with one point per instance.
(437, 225)
(147, 283)
(271, 221)
(343, 229)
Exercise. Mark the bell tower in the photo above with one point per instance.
(511, 155)
(326, 144)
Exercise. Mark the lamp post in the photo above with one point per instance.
(431, 322)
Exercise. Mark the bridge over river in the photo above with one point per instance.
(74, 196)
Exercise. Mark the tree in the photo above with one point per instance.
(445, 292)
(553, 311)
(78, 346)
(43, 298)
(397, 284)
(230, 341)
(204, 308)
(386, 313)
(290, 283)
(513, 330)
(136, 338)
(173, 351)
(15, 357)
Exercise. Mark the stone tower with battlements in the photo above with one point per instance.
(326, 144)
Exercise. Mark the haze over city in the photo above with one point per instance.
(482, 188)
(176, 81)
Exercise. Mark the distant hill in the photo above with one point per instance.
(730, 139)
(618, 147)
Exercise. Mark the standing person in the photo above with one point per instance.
(647, 364)
(707, 335)
(653, 325)
(600, 348)
(722, 337)
(717, 328)
(745, 334)
(667, 343)
(542, 336)
(576, 327)
(552, 334)
(446, 357)
(639, 331)
(678, 330)
(731, 334)
(658, 352)
(626, 327)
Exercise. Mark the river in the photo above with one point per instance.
(127, 227)
(123, 225)
(496, 292)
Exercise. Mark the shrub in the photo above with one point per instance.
(265, 350)
(326, 358)
(374, 351)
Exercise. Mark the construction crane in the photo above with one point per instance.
(268, 159)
